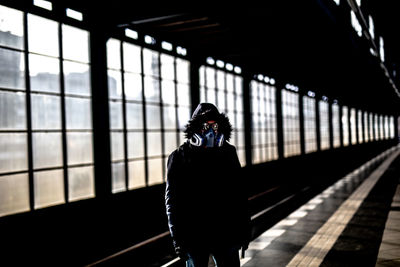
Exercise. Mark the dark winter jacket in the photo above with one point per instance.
(206, 200)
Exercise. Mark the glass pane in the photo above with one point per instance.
(115, 115)
(151, 62)
(79, 148)
(134, 116)
(220, 80)
(230, 82)
(80, 183)
(117, 146)
(152, 89)
(78, 113)
(135, 145)
(210, 78)
(46, 112)
(170, 142)
(183, 70)
(14, 194)
(183, 116)
(169, 118)
(12, 110)
(114, 54)
(183, 94)
(155, 171)
(47, 150)
(77, 78)
(153, 144)
(168, 92)
(44, 73)
(43, 35)
(114, 84)
(12, 69)
(11, 27)
(75, 44)
(118, 177)
(167, 67)
(132, 59)
(13, 152)
(136, 174)
(153, 117)
(48, 188)
(133, 86)
(211, 98)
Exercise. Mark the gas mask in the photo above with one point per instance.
(209, 136)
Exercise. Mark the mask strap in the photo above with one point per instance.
(196, 140)
(220, 140)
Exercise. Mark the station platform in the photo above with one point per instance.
(354, 222)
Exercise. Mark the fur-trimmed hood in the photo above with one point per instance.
(205, 112)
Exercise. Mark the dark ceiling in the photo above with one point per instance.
(307, 43)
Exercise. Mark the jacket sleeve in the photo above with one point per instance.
(171, 203)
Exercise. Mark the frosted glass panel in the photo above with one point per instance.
(153, 117)
(133, 86)
(44, 73)
(155, 171)
(46, 112)
(75, 44)
(167, 67)
(43, 35)
(11, 29)
(168, 92)
(153, 144)
(80, 148)
(114, 54)
(152, 89)
(132, 61)
(134, 116)
(114, 84)
(135, 145)
(77, 78)
(183, 70)
(80, 183)
(12, 72)
(13, 152)
(12, 110)
(151, 62)
(170, 142)
(48, 188)
(117, 146)
(136, 174)
(14, 194)
(118, 177)
(115, 115)
(78, 113)
(47, 150)
(183, 116)
(184, 94)
(169, 117)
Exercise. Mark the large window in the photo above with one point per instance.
(376, 127)
(336, 125)
(360, 127)
(345, 125)
(264, 131)
(366, 127)
(225, 90)
(324, 124)
(46, 150)
(353, 125)
(291, 123)
(391, 127)
(371, 127)
(149, 103)
(310, 128)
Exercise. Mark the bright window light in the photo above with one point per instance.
(131, 34)
(220, 63)
(371, 27)
(181, 51)
(229, 66)
(43, 4)
(358, 2)
(381, 49)
(74, 14)
(166, 46)
(311, 94)
(272, 81)
(337, 2)
(237, 69)
(210, 61)
(356, 25)
(260, 77)
(149, 39)
(266, 79)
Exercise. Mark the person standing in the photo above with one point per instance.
(205, 195)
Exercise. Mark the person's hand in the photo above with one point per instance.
(182, 254)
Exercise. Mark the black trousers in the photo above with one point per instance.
(223, 257)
